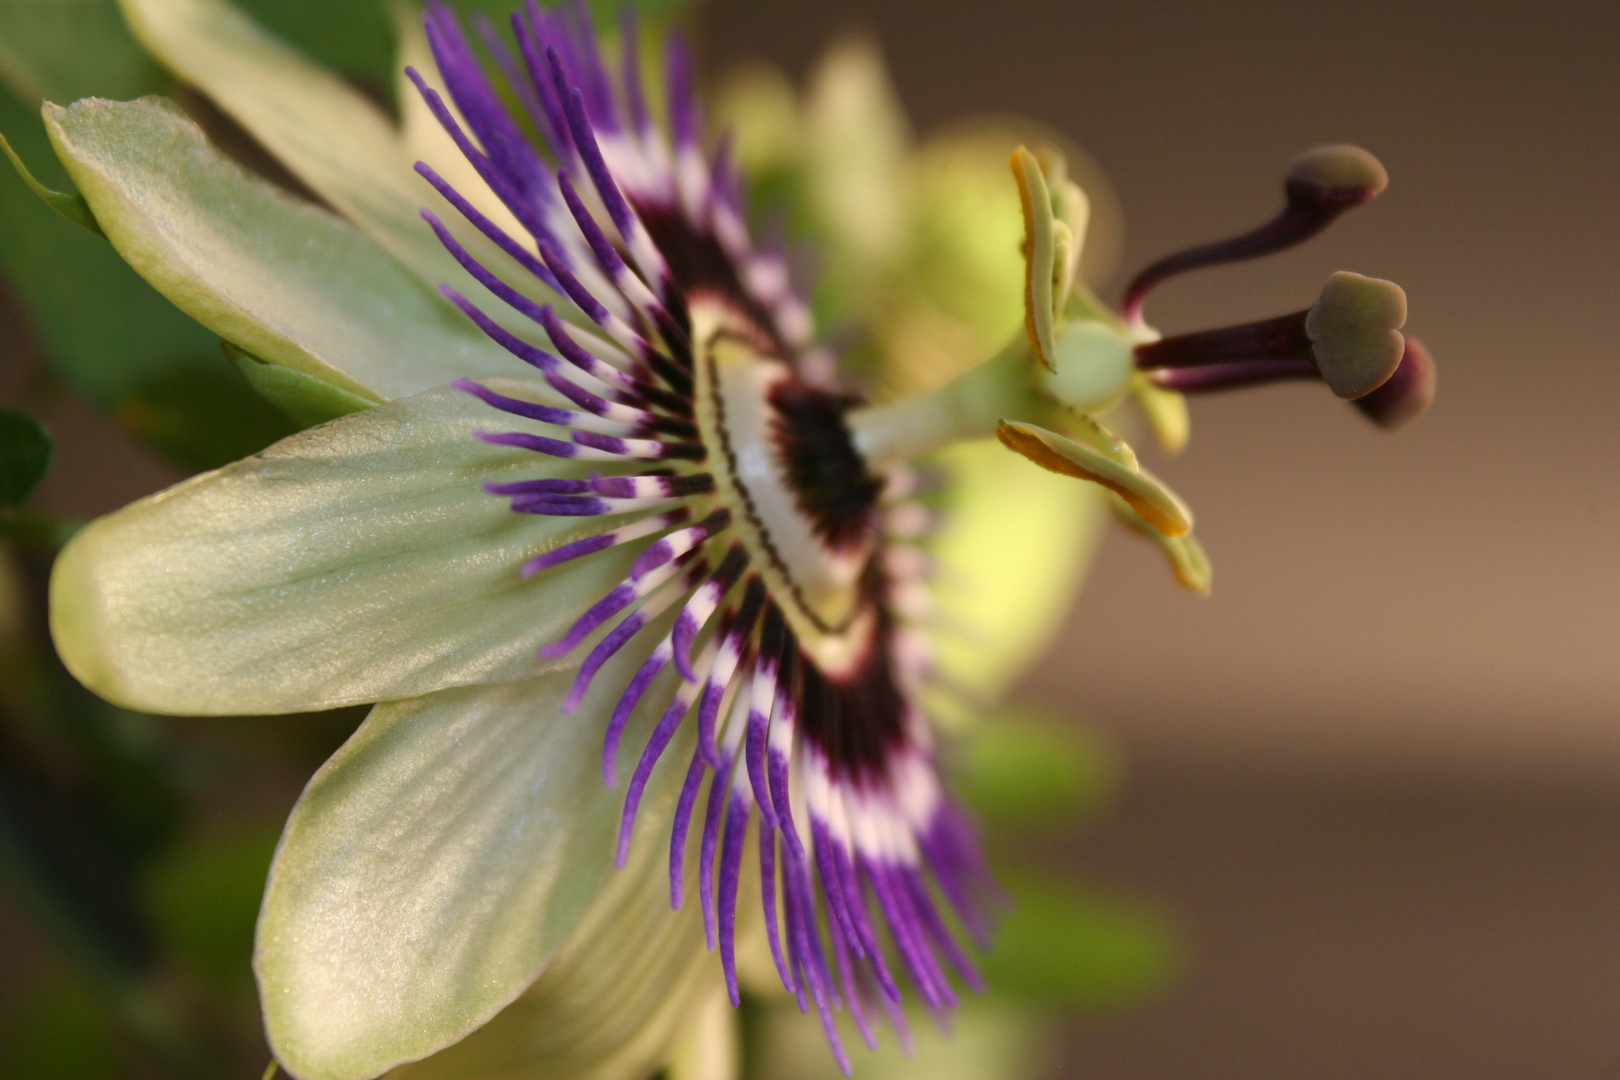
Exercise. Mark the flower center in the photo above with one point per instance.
(803, 500)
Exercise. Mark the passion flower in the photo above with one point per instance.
(678, 532)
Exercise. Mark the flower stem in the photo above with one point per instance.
(968, 407)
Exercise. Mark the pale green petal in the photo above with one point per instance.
(757, 104)
(437, 864)
(963, 260)
(709, 1046)
(1165, 412)
(357, 561)
(331, 136)
(857, 137)
(633, 977)
(1011, 552)
(424, 137)
(286, 281)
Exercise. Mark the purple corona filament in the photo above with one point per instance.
(626, 230)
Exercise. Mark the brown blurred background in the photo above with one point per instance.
(1378, 772)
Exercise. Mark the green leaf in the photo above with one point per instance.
(437, 864)
(66, 49)
(70, 204)
(354, 562)
(306, 400)
(1071, 947)
(1024, 768)
(109, 336)
(279, 278)
(25, 453)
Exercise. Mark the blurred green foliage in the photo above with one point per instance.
(58, 1031)
(1068, 946)
(88, 795)
(203, 895)
(1028, 770)
(59, 50)
(1062, 945)
(25, 452)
